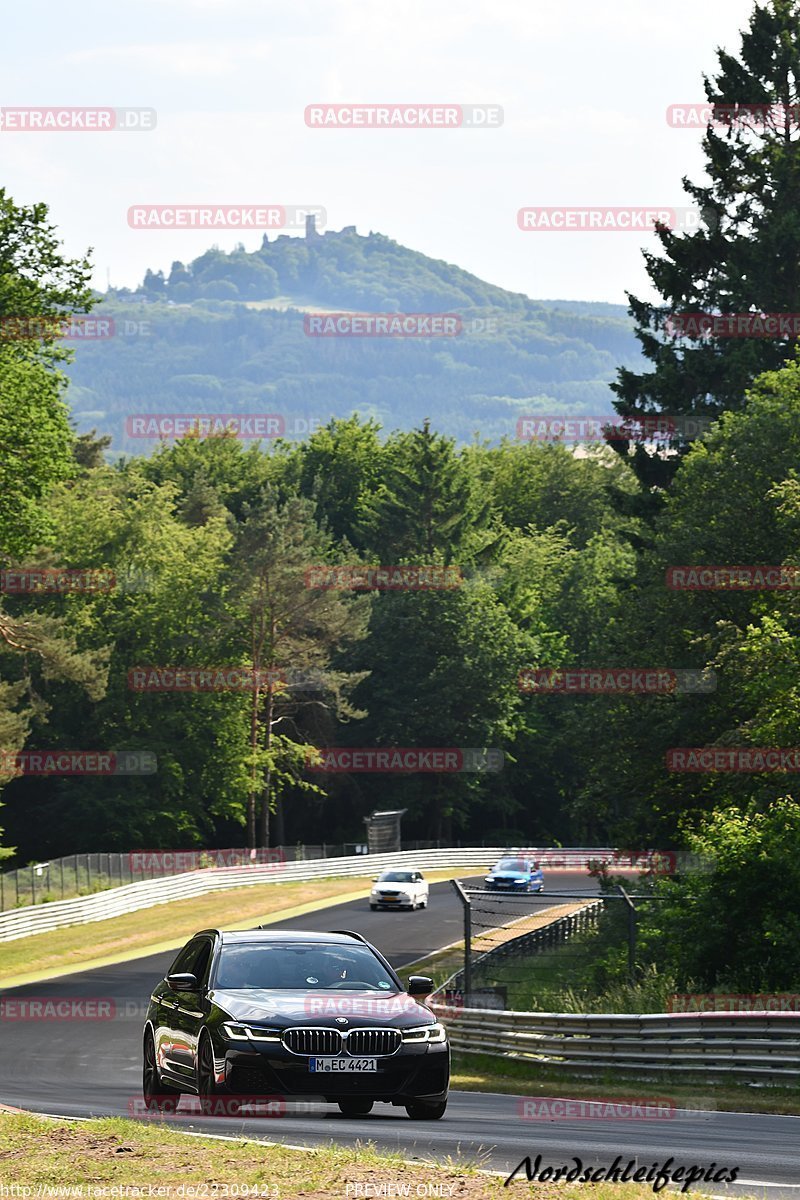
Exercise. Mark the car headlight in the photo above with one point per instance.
(488, 879)
(425, 1033)
(521, 882)
(237, 1032)
(375, 892)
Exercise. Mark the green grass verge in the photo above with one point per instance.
(99, 1155)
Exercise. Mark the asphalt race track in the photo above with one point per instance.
(93, 1068)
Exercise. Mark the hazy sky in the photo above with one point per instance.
(584, 87)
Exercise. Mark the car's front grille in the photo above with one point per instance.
(313, 1041)
(373, 1042)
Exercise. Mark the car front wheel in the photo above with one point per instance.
(419, 1110)
(158, 1096)
(214, 1098)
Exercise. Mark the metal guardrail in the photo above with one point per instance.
(114, 902)
(82, 874)
(750, 1046)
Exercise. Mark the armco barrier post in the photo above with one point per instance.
(631, 934)
(465, 901)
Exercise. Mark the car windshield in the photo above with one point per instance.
(511, 864)
(302, 967)
(396, 877)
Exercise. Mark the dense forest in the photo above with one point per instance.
(211, 544)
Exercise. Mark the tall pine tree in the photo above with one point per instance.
(745, 258)
(432, 501)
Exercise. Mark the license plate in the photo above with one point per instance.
(349, 1065)
(388, 899)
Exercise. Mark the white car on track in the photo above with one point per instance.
(399, 889)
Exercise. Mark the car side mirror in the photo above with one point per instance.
(183, 981)
(374, 878)
(419, 985)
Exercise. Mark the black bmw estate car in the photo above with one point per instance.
(270, 1013)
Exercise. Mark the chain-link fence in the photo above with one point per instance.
(83, 874)
(559, 952)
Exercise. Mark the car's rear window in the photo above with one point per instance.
(301, 966)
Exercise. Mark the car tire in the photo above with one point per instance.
(158, 1096)
(424, 903)
(212, 1096)
(422, 1110)
(355, 1107)
(373, 908)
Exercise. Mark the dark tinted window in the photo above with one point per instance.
(512, 864)
(302, 967)
(200, 968)
(192, 957)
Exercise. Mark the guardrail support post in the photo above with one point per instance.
(631, 933)
(465, 901)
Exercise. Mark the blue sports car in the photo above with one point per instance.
(515, 875)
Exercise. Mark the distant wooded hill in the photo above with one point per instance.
(226, 334)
